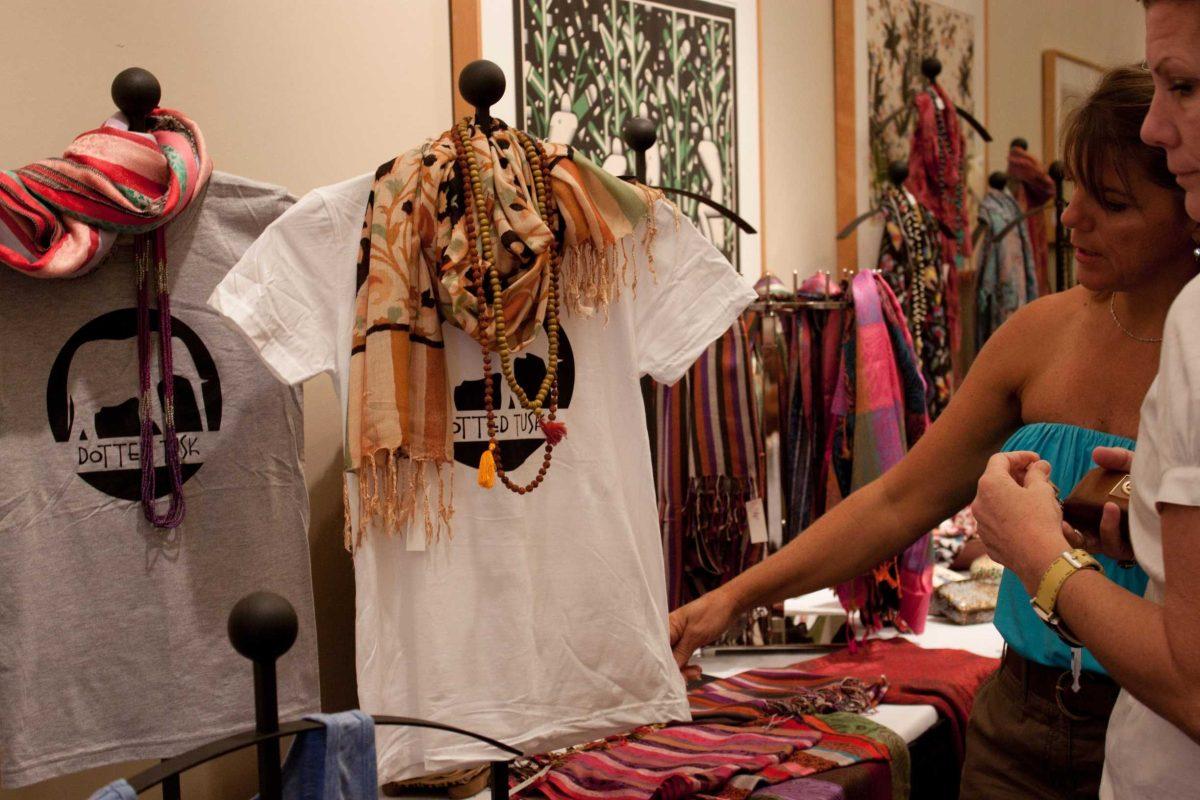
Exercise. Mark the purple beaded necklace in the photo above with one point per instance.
(152, 255)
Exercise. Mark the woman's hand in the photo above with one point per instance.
(1020, 520)
(696, 624)
(1108, 541)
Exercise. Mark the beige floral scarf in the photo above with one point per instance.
(414, 273)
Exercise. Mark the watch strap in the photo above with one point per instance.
(1046, 599)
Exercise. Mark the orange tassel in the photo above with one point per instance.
(555, 431)
(487, 468)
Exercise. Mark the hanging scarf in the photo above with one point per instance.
(910, 260)
(817, 351)
(937, 174)
(59, 218)
(1007, 273)
(414, 274)
(1033, 187)
(880, 407)
(710, 465)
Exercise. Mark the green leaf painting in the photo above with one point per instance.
(588, 65)
(900, 34)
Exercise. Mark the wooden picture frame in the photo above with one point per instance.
(1065, 80)
(515, 35)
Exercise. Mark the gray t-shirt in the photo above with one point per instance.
(113, 634)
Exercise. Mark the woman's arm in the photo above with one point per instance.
(1129, 635)
(932, 482)
(1020, 521)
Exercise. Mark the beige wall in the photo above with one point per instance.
(799, 219)
(296, 93)
(307, 93)
(1107, 32)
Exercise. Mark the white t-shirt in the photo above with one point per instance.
(542, 621)
(1146, 756)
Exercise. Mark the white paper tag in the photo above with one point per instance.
(757, 517)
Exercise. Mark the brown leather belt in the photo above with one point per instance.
(1094, 700)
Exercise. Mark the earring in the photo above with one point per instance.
(1196, 254)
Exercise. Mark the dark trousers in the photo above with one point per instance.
(1030, 736)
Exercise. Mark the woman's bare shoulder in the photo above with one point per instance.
(1038, 332)
(1050, 316)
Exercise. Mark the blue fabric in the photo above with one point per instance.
(117, 790)
(334, 762)
(1068, 448)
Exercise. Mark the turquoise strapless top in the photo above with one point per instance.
(1068, 448)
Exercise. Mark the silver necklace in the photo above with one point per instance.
(1112, 309)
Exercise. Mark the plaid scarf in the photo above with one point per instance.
(710, 464)
(414, 274)
(60, 216)
(880, 410)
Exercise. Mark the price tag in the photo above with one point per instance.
(757, 518)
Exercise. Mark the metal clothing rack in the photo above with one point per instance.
(262, 627)
(769, 306)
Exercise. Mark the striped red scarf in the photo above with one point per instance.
(59, 218)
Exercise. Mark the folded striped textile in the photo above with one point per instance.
(711, 462)
(759, 693)
(668, 763)
(747, 731)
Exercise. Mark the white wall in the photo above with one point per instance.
(296, 93)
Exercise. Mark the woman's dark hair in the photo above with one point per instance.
(1105, 130)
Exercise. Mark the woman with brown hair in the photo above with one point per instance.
(1150, 644)
(1042, 382)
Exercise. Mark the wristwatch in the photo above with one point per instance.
(1061, 568)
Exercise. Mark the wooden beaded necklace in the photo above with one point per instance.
(920, 261)
(482, 249)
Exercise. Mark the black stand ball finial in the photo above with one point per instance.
(639, 134)
(1020, 142)
(263, 626)
(898, 173)
(482, 84)
(931, 67)
(136, 92)
(998, 181)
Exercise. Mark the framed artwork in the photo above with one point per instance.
(577, 69)
(881, 44)
(1066, 80)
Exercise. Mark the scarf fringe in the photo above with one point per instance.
(595, 276)
(392, 489)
